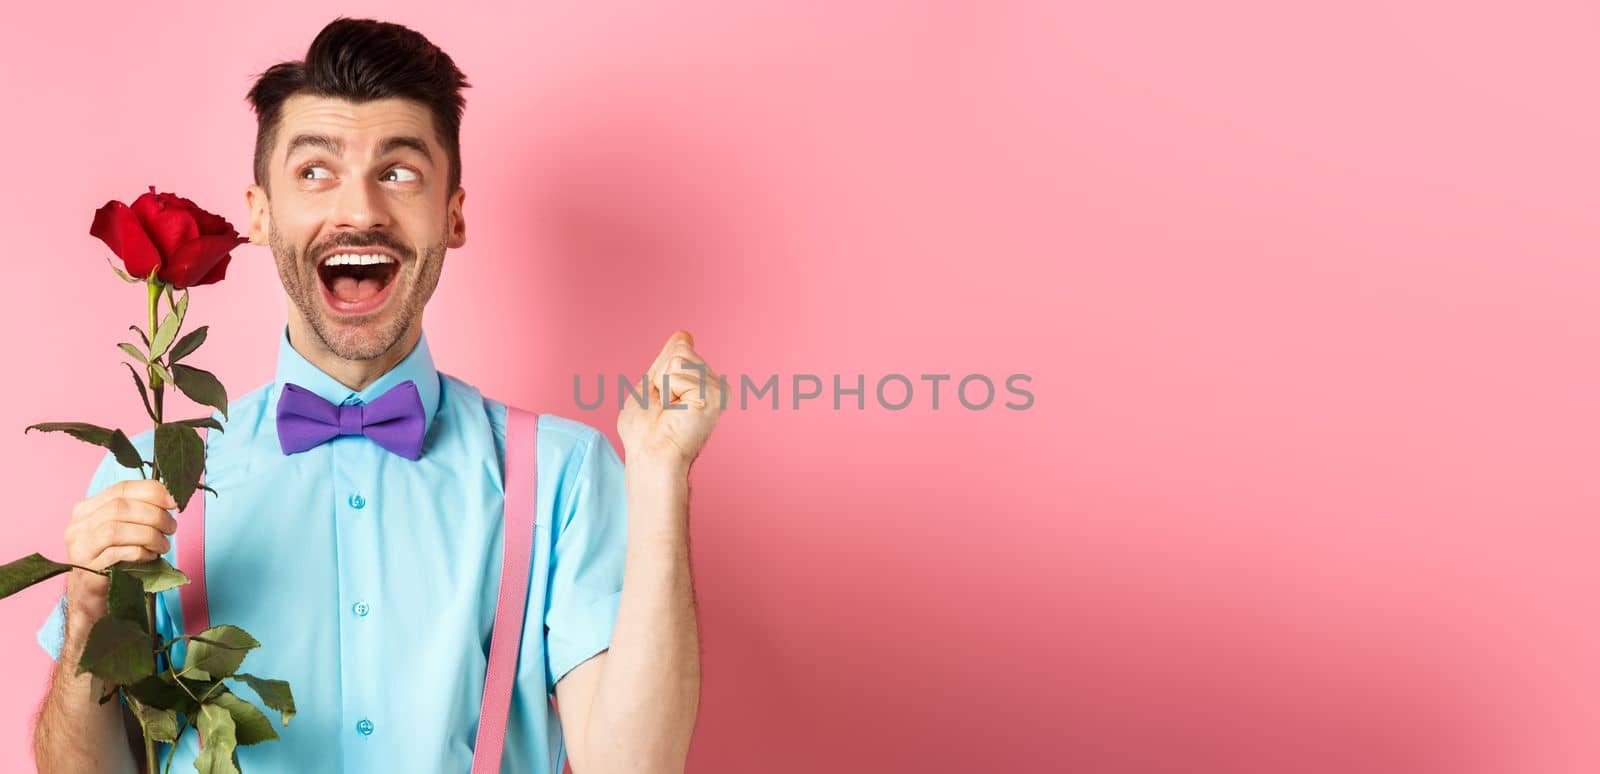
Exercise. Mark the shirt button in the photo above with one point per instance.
(364, 727)
(362, 609)
(358, 502)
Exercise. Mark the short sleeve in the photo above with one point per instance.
(54, 631)
(52, 635)
(587, 561)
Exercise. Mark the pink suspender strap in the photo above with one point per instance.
(522, 444)
(192, 559)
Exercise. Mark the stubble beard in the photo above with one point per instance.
(302, 285)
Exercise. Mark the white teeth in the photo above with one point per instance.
(358, 260)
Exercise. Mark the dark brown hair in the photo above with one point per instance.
(361, 60)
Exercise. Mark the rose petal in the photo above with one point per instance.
(217, 272)
(168, 222)
(121, 230)
(212, 225)
(197, 259)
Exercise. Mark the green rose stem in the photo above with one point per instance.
(153, 299)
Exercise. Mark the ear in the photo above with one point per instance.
(457, 226)
(255, 197)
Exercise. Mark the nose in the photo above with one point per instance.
(360, 206)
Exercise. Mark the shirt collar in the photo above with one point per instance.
(417, 366)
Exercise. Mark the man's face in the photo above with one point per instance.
(362, 184)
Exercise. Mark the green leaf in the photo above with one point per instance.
(159, 724)
(202, 387)
(134, 352)
(22, 573)
(217, 740)
(144, 393)
(122, 448)
(115, 440)
(210, 422)
(156, 575)
(143, 338)
(181, 308)
(273, 693)
(161, 371)
(165, 333)
(201, 688)
(82, 431)
(181, 455)
(117, 652)
(162, 692)
(126, 598)
(213, 492)
(251, 727)
(190, 342)
(220, 649)
(126, 277)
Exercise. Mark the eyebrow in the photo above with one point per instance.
(336, 147)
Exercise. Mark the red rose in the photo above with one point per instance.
(167, 232)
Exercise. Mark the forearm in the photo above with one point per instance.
(76, 733)
(648, 695)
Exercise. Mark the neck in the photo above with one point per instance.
(355, 374)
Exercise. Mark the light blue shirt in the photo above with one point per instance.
(371, 579)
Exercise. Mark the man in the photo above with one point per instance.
(369, 575)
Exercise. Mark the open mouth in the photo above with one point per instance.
(356, 284)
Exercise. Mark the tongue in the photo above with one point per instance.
(352, 289)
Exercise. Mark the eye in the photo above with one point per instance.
(414, 175)
(308, 168)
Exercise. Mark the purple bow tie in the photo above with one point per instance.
(394, 420)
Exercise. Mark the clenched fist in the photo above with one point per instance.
(129, 521)
(657, 433)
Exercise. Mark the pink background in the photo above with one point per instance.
(1308, 298)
